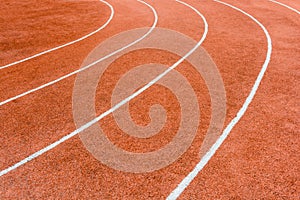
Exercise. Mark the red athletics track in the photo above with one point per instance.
(258, 160)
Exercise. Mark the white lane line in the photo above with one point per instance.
(293, 9)
(88, 66)
(67, 44)
(204, 160)
(77, 131)
(51, 146)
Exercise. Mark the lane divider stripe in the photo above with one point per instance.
(204, 160)
(67, 44)
(88, 66)
(82, 128)
(63, 139)
(293, 9)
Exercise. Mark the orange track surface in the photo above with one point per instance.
(259, 159)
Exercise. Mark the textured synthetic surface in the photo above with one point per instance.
(259, 159)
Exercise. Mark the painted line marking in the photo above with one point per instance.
(88, 66)
(293, 9)
(204, 160)
(87, 125)
(67, 44)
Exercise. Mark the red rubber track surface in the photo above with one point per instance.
(259, 159)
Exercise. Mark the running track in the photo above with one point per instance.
(257, 44)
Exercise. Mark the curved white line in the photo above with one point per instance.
(204, 160)
(88, 66)
(293, 9)
(67, 44)
(5, 171)
(77, 131)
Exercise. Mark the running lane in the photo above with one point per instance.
(35, 122)
(259, 158)
(65, 44)
(30, 28)
(72, 164)
(43, 27)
